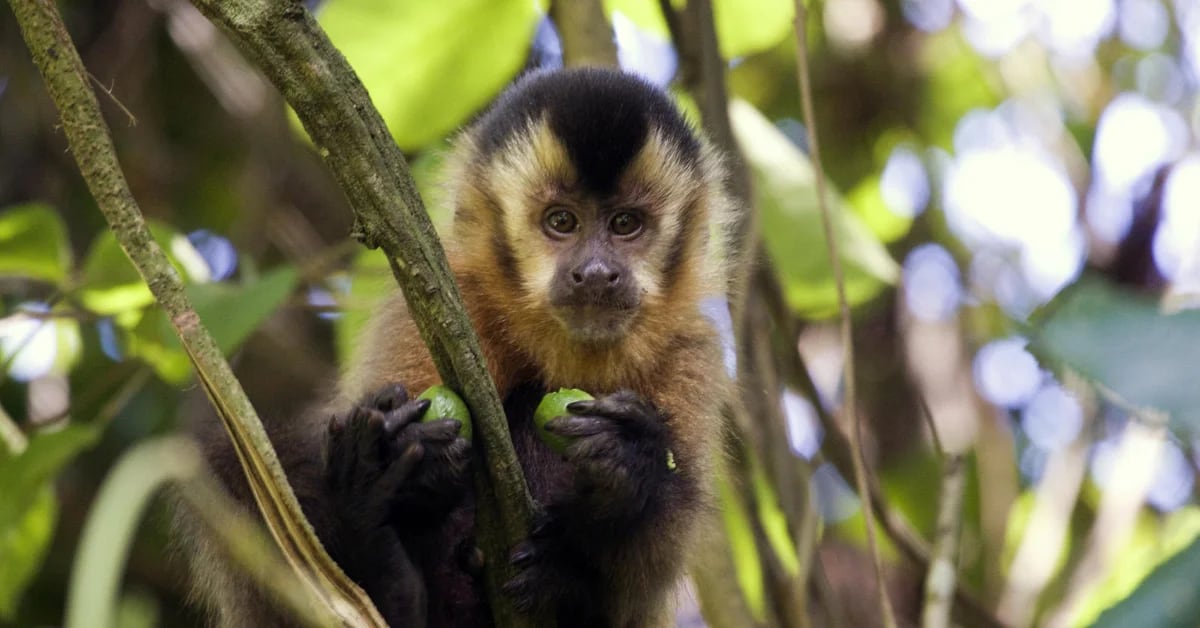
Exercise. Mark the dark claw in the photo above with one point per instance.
(389, 398)
(523, 557)
(577, 426)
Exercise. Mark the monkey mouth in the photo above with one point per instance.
(593, 324)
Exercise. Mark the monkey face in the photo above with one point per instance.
(594, 293)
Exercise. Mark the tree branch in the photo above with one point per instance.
(849, 399)
(282, 38)
(90, 143)
(586, 36)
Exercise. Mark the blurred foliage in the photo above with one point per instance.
(1125, 344)
(89, 367)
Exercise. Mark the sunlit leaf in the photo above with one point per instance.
(230, 312)
(791, 223)
(867, 201)
(33, 243)
(1155, 540)
(430, 65)
(746, 560)
(23, 545)
(111, 285)
(1165, 599)
(743, 26)
(959, 80)
(1123, 342)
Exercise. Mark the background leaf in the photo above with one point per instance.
(791, 223)
(231, 312)
(430, 65)
(1124, 343)
(23, 545)
(1166, 599)
(33, 243)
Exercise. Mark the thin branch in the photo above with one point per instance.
(850, 395)
(282, 38)
(90, 142)
(942, 576)
(587, 39)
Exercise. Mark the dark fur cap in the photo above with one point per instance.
(603, 118)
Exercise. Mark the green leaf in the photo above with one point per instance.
(1165, 599)
(744, 27)
(748, 26)
(22, 476)
(1154, 540)
(23, 546)
(430, 65)
(747, 562)
(33, 243)
(785, 184)
(110, 284)
(231, 312)
(1124, 343)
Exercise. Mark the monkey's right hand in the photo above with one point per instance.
(383, 464)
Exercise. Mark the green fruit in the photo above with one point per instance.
(446, 404)
(553, 406)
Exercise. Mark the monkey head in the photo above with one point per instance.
(584, 205)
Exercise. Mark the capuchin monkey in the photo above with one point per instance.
(588, 223)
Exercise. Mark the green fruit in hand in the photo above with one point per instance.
(553, 406)
(446, 404)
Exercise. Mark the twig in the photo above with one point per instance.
(282, 38)
(586, 37)
(90, 142)
(942, 576)
(849, 396)
(108, 91)
(1137, 458)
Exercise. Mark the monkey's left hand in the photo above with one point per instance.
(623, 474)
(619, 447)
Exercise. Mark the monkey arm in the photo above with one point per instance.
(608, 551)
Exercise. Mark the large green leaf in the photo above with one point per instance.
(743, 26)
(785, 185)
(1124, 343)
(33, 243)
(1165, 599)
(231, 312)
(430, 65)
(23, 545)
(27, 507)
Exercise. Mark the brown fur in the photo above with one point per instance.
(670, 356)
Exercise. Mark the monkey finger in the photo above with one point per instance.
(408, 413)
(401, 468)
(578, 426)
(616, 406)
(389, 397)
(439, 431)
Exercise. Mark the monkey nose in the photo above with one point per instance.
(595, 273)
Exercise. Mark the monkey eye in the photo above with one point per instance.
(625, 224)
(561, 221)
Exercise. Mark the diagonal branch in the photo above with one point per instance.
(284, 40)
(91, 144)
